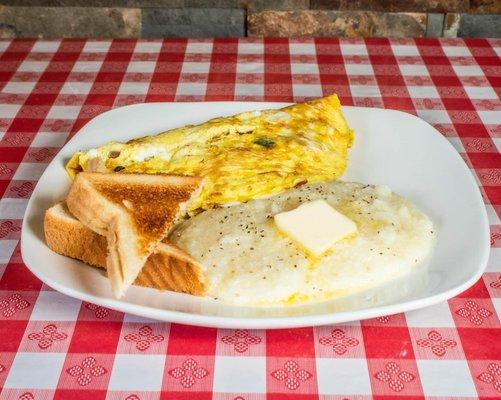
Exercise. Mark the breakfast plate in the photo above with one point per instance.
(391, 148)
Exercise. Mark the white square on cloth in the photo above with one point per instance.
(494, 262)
(33, 66)
(141, 372)
(76, 88)
(497, 306)
(46, 46)
(18, 87)
(481, 92)
(300, 68)
(35, 370)
(9, 110)
(240, 374)
(134, 88)
(4, 45)
(96, 47)
(27, 171)
(343, 376)
(250, 48)
(302, 48)
(423, 92)
(141, 66)
(438, 315)
(468, 70)
(250, 68)
(446, 378)
(405, 50)
(490, 117)
(353, 49)
(413, 70)
(434, 116)
(63, 112)
(199, 47)
(249, 89)
(364, 91)
(313, 90)
(196, 67)
(185, 88)
(497, 142)
(54, 306)
(147, 47)
(12, 208)
(87, 66)
(359, 69)
(6, 249)
(453, 51)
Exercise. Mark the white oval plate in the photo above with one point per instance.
(391, 147)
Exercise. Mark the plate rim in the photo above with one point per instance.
(216, 321)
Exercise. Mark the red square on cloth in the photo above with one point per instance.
(11, 334)
(19, 278)
(95, 337)
(387, 342)
(478, 290)
(480, 343)
(191, 340)
(290, 343)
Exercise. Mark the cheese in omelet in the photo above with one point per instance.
(246, 156)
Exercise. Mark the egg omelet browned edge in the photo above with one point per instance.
(242, 157)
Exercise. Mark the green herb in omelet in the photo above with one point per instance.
(265, 142)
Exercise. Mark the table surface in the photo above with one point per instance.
(55, 346)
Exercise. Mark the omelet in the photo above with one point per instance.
(246, 156)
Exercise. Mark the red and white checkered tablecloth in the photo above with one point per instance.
(55, 346)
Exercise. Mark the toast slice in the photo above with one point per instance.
(168, 268)
(134, 212)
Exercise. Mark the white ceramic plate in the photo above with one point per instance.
(391, 147)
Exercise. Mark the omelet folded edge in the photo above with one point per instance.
(328, 107)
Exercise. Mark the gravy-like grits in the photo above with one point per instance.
(249, 262)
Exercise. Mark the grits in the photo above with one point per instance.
(247, 261)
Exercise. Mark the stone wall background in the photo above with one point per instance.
(236, 18)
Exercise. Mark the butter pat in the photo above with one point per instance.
(316, 226)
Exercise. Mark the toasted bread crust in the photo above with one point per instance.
(133, 211)
(68, 236)
(169, 268)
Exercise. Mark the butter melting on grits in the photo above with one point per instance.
(246, 156)
(248, 262)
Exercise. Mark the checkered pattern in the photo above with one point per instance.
(54, 346)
